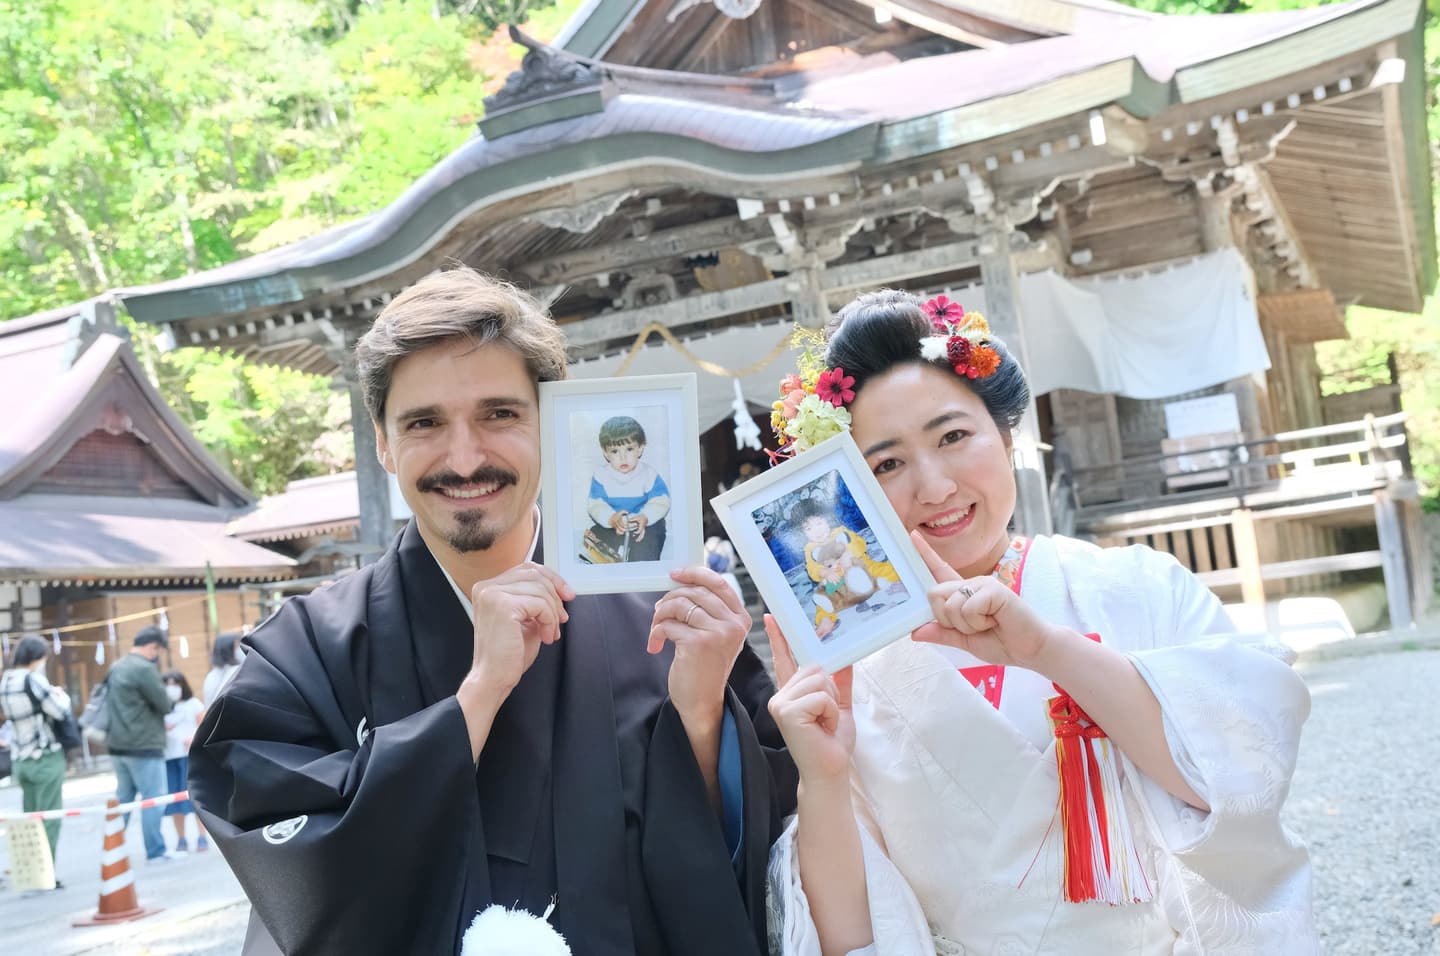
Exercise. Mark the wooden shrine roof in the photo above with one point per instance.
(100, 481)
(564, 168)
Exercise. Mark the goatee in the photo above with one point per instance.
(473, 532)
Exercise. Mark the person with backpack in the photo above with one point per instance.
(136, 703)
(32, 702)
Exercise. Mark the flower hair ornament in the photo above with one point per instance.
(813, 399)
(962, 341)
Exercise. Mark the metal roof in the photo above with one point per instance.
(311, 506)
(94, 540)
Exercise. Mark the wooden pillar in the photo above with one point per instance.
(371, 479)
(1392, 559)
(1002, 304)
(1247, 556)
(809, 306)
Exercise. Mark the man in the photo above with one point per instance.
(137, 703)
(451, 727)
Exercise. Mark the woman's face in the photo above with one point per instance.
(942, 461)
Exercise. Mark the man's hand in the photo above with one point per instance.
(707, 623)
(514, 614)
(620, 521)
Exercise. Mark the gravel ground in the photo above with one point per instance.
(1363, 798)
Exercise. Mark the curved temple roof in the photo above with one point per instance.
(804, 125)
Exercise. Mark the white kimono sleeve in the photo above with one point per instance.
(1237, 881)
(898, 922)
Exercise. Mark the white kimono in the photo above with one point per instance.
(958, 807)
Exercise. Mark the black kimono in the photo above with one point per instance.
(334, 773)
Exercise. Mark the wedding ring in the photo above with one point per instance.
(967, 590)
(691, 613)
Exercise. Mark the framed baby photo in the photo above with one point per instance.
(828, 554)
(620, 481)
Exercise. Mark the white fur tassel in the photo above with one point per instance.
(498, 931)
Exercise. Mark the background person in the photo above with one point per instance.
(225, 657)
(137, 703)
(37, 759)
(180, 726)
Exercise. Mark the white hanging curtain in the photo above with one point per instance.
(1154, 335)
(734, 348)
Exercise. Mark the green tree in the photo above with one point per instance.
(144, 141)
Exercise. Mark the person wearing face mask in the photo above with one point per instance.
(180, 726)
(1078, 755)
(225, 659)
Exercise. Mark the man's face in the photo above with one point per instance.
(624, 455)
(462, 435)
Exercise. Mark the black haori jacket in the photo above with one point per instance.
(334, 773)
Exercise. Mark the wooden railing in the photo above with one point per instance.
(1347, 456)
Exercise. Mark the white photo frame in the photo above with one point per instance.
(600, 558)
(774, 522)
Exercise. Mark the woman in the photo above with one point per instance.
(225, 659)
(31, 702)
(180, 724)
(1077, 756)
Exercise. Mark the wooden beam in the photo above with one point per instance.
(1303, 567)
(696, 308)
(1247, 557)
(900, 267)
(715, 305)
(567, 268)
(1393, 559)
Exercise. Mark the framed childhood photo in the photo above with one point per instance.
(620, 481)
(828, 554)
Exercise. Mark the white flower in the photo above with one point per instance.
(934, 348)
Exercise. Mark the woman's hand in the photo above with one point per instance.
(981, 616)
(813, 712)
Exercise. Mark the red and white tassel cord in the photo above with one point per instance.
(1101, 861)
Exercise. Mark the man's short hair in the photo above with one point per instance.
(621, 428)
(457, 303)
(154, 634)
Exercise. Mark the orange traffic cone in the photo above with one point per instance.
(117, 883)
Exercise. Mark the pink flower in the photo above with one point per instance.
(789, 383)
(835, 387)
(792, 401)
(943, 313)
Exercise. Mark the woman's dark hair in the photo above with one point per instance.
(175, 677)
(223, 653)
(882, 329)
(30, 649)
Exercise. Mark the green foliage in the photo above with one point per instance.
(1360, 362)
(271, 424)
(147, 140)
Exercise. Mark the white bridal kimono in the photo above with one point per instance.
(957, 804)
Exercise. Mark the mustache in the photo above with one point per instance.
(484, 475)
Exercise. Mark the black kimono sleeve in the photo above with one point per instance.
(346, 839)
(718, 923)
